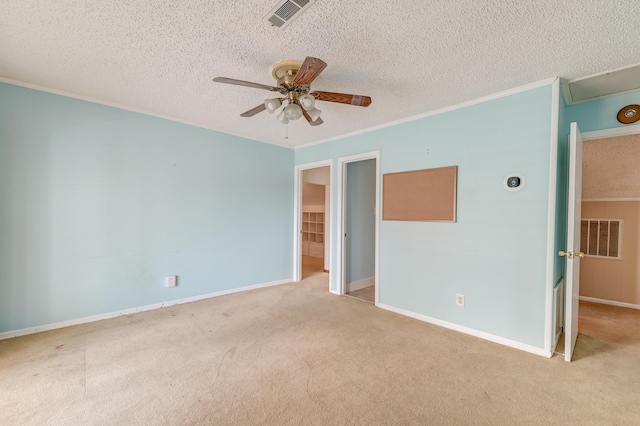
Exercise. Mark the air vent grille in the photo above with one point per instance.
(601, 237)
(286, 11)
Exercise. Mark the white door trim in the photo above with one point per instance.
(611, 132)
(572, 276)
(341, 204)
(297, 215)
(551, 217)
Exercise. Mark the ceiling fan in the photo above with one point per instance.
(294, 79)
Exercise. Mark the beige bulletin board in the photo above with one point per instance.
(427, 195)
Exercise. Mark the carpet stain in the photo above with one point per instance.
(307, 357)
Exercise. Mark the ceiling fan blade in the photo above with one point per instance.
(313, 123)
(310, 69)
(343, 98)
(245, 83)
(253, 111)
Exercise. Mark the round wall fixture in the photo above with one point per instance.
(514, 182)
(629, 114)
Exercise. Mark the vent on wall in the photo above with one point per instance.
(286, 11)
(601, 238)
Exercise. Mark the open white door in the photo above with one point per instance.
(573, 254)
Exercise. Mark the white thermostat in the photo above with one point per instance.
(514, 182)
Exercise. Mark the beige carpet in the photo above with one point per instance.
(295, 354)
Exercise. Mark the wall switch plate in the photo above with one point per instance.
(460, 299)
(171, 281)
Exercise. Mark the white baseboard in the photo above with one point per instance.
(470, 331)
(610, 302)
(357, 285)
(84, 320)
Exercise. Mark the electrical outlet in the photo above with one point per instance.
(171, 281)
(460, 299)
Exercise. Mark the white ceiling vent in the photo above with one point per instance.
(286, 11)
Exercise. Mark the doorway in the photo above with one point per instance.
(312, 248)
(609, 222)
(358, 183)
(315, 183)
(599, 224)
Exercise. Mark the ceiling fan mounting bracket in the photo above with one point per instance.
(286, 69)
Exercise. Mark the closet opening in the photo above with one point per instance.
(312, 245)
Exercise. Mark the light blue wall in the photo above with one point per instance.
(360, 221)
(496, 252)
(600, 114)
(98, 205)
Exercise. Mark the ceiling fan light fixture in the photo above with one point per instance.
(282, 117)
(293, 111)
(294, 80)
(314, 113)
(272, 105)
(307, 102)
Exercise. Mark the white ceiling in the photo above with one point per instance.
(159, 56)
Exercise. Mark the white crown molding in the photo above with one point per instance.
(461, 105)
(125, 108)
(487, 98)
(93, 318)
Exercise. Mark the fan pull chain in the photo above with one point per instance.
(287, 131)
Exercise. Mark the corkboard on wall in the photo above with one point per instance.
(427, 195)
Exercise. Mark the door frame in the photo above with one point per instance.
(341, 225)
(297, 215)
(611, 132)
(572, 245)
(549, 342)
(602, 134)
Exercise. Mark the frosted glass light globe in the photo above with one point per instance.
(293, 111)
(272, 104)
(307, 102)
(282, 117)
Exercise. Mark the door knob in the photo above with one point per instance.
(571, 254)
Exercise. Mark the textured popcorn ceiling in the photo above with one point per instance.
(411, 57)
(610, 168)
